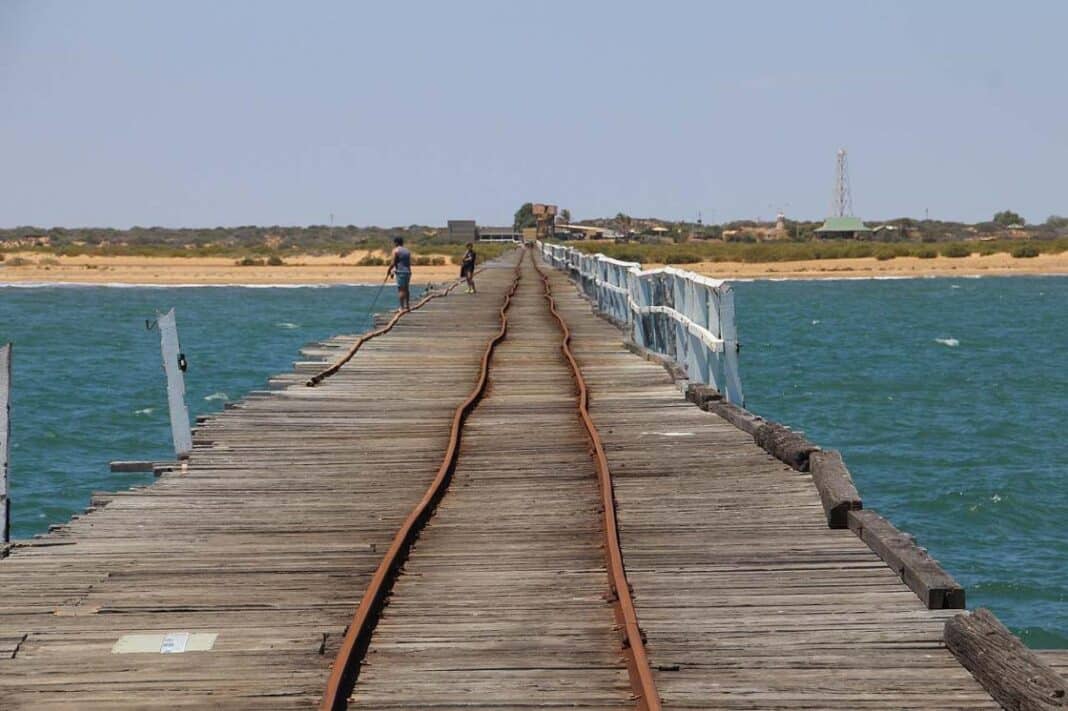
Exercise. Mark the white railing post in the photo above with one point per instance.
(5, 439)
(732, 382)
(174, 366)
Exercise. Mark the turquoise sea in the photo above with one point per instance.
(947, 397)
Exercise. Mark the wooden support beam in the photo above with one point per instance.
(700, 394)
(784, 444)
(131, 466)
(837, 491)
(738, 416)
(1014, 675)
(922, 573)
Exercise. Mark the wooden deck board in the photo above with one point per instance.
(268, 539)
(748, 600)
(502, 603)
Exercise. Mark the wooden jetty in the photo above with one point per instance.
(237, 580)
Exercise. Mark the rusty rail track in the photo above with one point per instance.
(346, 665)
(633, 642)
(365, 337)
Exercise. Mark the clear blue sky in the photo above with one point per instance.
(390, 113)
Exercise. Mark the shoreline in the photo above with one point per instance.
(871, 268)
(130, 271)
(43, 270)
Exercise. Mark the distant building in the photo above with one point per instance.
(498, 234)
(846, 227)
(462, 231)
(583, 232)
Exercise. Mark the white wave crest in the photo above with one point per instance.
(145, 411)
(287, 324)
(217, 396)
(951, 342)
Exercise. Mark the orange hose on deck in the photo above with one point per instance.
(641, 676)
(358, 636)
(365, 337)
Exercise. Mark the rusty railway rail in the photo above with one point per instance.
(633, 642)
(346, 665)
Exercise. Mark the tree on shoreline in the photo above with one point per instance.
(1008, 218)
(524, 216)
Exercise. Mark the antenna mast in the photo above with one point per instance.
(842, 201)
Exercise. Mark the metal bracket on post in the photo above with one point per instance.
(5, 438)
(174, 366)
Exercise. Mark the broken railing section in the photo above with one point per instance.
(174, 365)
(682, 315)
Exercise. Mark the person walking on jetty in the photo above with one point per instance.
(400, 265)
(467, 268)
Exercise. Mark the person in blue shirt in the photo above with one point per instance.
(400, 265)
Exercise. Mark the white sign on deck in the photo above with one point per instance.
(164, 643)
(174, 643)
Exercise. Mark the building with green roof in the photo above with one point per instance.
(845, 227)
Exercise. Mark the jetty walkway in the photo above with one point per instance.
(433, 526)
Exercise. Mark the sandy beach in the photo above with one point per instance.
(332, 269)
(162, 271)
(869, 267)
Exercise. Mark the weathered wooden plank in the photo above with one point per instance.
(747, 598)
(131, 466)
(784, 444)
(739, 417)
(1015, 676)
(266, 537)
(835, 485)
(922, 573)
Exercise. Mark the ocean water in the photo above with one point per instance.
(947, 397)
(88, 378)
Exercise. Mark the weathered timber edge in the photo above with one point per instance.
(838, 493)
(784, 444)
(676, 371)
(922, 573)
(841, 501)
(1014, 675)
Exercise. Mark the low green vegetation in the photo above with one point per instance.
(247, 246)
(956, 250)
(231, 242)
(762, 252)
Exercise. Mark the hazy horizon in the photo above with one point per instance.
(201, 115)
